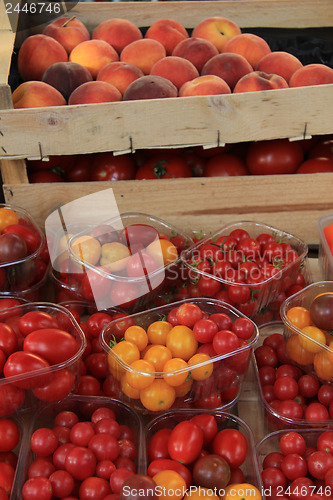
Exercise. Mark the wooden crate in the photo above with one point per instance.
(293, 203)
(210, 120)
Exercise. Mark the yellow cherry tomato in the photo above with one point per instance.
(159, 396)
(7, 217)
(175, 371)
(323, 365)
(299, 316)
(127, 389)
(157, 332)
(171, 485)
(122, 353)
(184, 388)
(296, 351)
(140, 374)
(163, 251)
(241, 491)
(158, 355)
(137, 335)
(182, 342)
(87, 249)
(114, 256)
(205, 368)
(313, 340)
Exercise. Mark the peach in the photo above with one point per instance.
(68, 31)
(258, 80)
(120, 74)
(196, 50)
(66, 76)
(36, 54)
(175, 69)
(143, 54)
(150, 87)
(168, 32)
(312, 74)
(217, 30)
(205, 85)
(92, 92)
(279, 63)
(117, 32)
(93, 55)
(36, 95)
(248, 45)
(230, 67)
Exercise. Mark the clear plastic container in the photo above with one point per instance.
(83, 406)
(271, 418)
(257, 292)
(224, 420)
(311, 355)
(270, 444)
(129, 276)
(14, 456)
(20, 275)
(27, 390)
(228, 370)
(325, 256)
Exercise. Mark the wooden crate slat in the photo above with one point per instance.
(14, 171)
(248, 14)
(163, 122)
(293, 203)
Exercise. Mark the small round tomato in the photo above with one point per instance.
(185, 442)
(158, 396)
(232, 445)
(182, 342)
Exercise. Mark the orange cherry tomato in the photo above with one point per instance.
(297, 353)
(175, 371)
(323, 366)
(299, 316)
(157, 332)
(313, 340)
(158, 355)
(159, 396)
(182, 342)
(163, 251)
(205, 368)
(127, 389)
(121, 354)
(140, 374)
(114, 256)
(7, 217)
(137, 335)
(171, 484)
(184, 388)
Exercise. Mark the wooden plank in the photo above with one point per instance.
(7, 39)
(293, 203)
(15, 170)
(186, 121)
(248, 14)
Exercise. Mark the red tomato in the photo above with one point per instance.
(232, 445)
(107, 167)
(225, 165)
(30, 237)
(164, 166)
(322, 150)
(277, 156)
(9, 434)
(45, 176)
(20, 363)
(60, 386)
(80, 171)
(52, 344)
(185, 442)
(315, 165)
(35, 320)
(11, 399)
(158, 444)
(208, 425)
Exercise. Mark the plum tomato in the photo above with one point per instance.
(232, 445)
(185, 442)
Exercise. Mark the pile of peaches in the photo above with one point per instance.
(117, 61)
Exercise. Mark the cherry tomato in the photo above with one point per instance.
(185, 442)
(232, 445)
